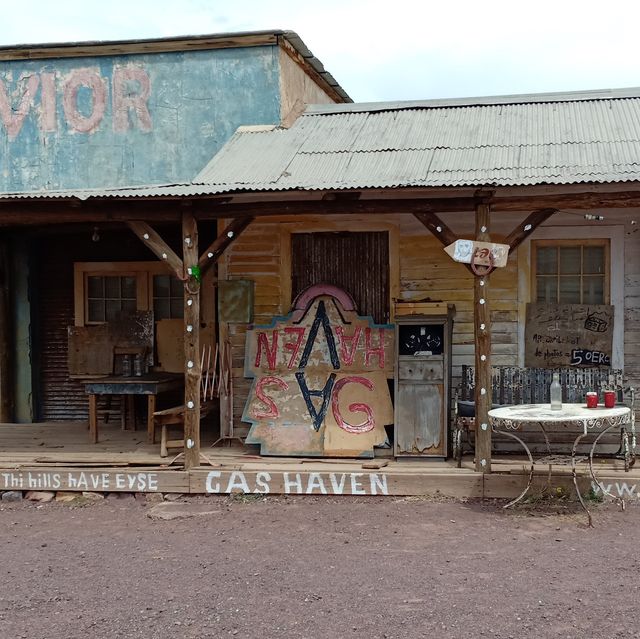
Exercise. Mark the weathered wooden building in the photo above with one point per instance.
(359, 201)
(552, 176)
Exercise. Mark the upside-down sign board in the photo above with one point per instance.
(320, 381)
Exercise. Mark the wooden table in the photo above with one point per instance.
(150, 385)
(597, 421)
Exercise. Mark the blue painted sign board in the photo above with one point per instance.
(124, 120)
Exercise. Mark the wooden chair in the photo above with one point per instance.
(173, 418)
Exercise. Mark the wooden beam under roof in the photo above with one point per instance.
(26, 212)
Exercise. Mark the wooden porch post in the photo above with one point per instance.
(482, 335)
(192, 373)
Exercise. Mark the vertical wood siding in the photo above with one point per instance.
(255, 255)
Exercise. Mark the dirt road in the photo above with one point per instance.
(316, 568)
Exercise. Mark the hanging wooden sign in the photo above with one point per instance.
(563, 335)
(320, 382)
(480, 253)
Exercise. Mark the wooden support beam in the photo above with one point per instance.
(157, 245)
(7, 383)
(192, 372)
(524, 230)
(25, 212)
(437, 227)
(482, 333)
(222, 242)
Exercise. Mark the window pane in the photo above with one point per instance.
(593, 289)
(95, 286)
(161, 309)
(547, 290)
(112, 287)
(112, 309)
(570, 258)
(161, 285)
(95, 311)
(177, 308)
(547, 260)
(129, 306)
(177, 287)
(569, 290)
(594, 259)
(128, 287)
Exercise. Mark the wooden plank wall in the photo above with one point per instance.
(427, 271)
(256, 255)
(424, 271)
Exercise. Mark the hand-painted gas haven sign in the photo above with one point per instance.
(82, 95)
(320, 379)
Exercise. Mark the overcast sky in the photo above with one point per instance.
(384, 50)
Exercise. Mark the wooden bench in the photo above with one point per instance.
(174, 418)
(515, 385)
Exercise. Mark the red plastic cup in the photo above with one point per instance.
(609, 399)
(592, 400)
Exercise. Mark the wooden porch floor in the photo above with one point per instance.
(59, 456)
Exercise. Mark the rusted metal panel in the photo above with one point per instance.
(355, 262)
(509, 140)
(236, 300)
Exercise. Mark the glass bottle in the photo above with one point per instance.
(555, 392)
(126, 366)
(137, 365)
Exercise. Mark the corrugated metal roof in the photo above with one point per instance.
(567, 138)
(495, 141)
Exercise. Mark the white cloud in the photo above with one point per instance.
(377, 49)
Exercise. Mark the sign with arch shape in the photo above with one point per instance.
(319, 379)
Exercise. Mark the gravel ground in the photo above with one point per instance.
(317, 568)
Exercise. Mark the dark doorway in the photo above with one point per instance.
(356, 262)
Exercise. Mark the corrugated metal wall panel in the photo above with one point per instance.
(356, 262)
(60, 397)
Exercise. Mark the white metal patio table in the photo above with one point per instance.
(589, 421)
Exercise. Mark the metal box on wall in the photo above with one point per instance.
(422, 383)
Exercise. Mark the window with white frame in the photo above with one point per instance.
(109, 295)
(570, 271)
(103, 290)
(168, 297)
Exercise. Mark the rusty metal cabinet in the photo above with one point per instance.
(422, 382)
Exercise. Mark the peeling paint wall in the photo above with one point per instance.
(128, 119)
(297, 90)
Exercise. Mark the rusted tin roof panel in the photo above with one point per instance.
(523, 143)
